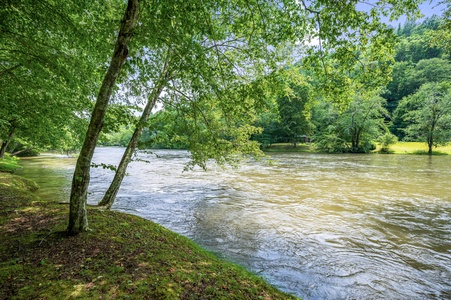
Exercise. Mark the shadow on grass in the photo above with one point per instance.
(123, 257)
(424, 152)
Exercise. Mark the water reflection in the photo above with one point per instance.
(318, 226)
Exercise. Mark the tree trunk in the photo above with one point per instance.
(21, 151)
(357, 140)
(3, 148)
(78, 221)
(430, 139)
(430, 144)
(6, 142)
(111, 193)
(353, 141)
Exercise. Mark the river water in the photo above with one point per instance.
(317, 226)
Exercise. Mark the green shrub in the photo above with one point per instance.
(9, 164)
(386, 140)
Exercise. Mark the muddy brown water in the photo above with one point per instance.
(317, 226)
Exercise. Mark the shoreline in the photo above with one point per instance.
(410, 148)
(123, 256)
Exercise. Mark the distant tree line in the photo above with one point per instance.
(413, 106)
(73, 73)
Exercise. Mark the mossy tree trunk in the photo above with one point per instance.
(78, 221)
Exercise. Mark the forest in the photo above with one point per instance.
(413, 106)
(394, 111)
(410, 102)
(228, 81)
(219, 78)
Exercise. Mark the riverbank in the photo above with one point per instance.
(124, 256)
(9, 164)
(398, 148)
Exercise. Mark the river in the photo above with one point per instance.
(317, 226)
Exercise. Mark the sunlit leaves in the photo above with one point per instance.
(428, 114)
(354, 129)
(51, 59)
(294, 110)
(352, 41)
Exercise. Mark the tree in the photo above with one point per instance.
(421, 57)
(409, 76)
(428, 114)
(416, 41)
(386, 140)
(410, 79)
(363, 121)
(226, 49)
(396, 89)
(162, 131)
(428, 70)
(442, 37)
(210, 91)
(272, 131)
(78, 220)
(6, 140)
(294, 110)
(48, 64)
(353, 130)
(111, 193)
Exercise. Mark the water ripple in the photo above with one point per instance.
(318, 226)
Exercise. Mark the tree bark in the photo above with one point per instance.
(110, 195)
(20, 151)
(3, 148)
(6, 142)
(78, 221)
(430, 140)
(431, 133)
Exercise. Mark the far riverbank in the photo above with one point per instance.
(398, 148)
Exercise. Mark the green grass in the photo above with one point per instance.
(288, 147)
(416, 148)
(9, 164)
(398, 148)
(123, 257)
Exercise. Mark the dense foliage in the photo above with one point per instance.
(51, 57)
(427, 114)
(302, 112)
(221, 72)
(420, 62)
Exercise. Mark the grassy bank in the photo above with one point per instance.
(287, 147)
(123, 257)
(417, 148)
(398, 148)
(9, 164)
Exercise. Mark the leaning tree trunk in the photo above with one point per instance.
(3, 148)
(78, 220)
(20, 151)
(111, 193)
(6, 142)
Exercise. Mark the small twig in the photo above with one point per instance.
(18, 248)
(51, 232)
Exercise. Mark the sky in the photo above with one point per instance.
(427, 8)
